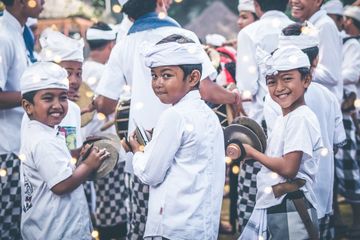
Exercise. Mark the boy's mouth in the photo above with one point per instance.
(282, 95)
(56, 114)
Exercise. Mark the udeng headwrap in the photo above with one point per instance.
(283, 59)
(216, 40)
(353, 12)
(43, 75)
(98, 34)
(333, 7)
(246, 5)
(308, 38)
(56, 47)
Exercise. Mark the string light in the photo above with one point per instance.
(116, 8)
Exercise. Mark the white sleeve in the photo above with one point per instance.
(328, 70)
(5, 61)
(152, 165)
(271, 112)
(247, 73)
(339, 132)
(351, 62)
(113, 80)
(52, 162)
(79, 138)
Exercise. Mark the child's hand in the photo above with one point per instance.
(96, 157)
(135, 146)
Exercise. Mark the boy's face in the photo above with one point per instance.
(74, 70)
(245, 18)
(50, 106)
(304, 9)
(169, 84)
(287, 89)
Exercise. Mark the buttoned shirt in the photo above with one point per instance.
(328, 70)
(13, 62)
(184, 164)
(263, 33)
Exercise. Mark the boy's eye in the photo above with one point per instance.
(63, 98)
(79, 74)
(153, 77)
(287, 79)
(270, 82)
(166, 76)
(47, 98)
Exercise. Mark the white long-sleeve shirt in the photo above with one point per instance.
(184, 164)
(328, 70)
(265, 34)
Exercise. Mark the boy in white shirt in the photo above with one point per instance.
(291, 157)
(184, 163)
(54, 203)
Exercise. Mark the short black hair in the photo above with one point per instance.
(304, 71)
(29, 96)
(189, 68)
(137, 8)
(175, 38)
(8, 2)
(99, 44)
(268, 5)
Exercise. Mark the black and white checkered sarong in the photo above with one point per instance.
(347, 166)
(10, 197)
(138, 208)
(326, 227)
(247, 191)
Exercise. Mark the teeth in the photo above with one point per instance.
(55, 114)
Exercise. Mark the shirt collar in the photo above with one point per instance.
(51, 130)
(273, 14)
(192, 95)
(316, 16)
(10, 20)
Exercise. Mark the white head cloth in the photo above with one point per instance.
(246, 5)
(353, 12)
(43, 75)
(98, 34)
(308, 38)
(122, 2)
(56, 47)
(216, 40)
(333, 7)
(283, 59)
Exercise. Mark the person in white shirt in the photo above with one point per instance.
(251, 83)
(119, 77)
(13, 62)
(53, 200)
(292, 154)
(330, 118)
(328, 70)
(184, 163)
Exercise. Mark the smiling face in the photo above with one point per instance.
(245, 18)
(50, 106)
(304, 9)
(169, 84)
(74, 70)
(287, 89)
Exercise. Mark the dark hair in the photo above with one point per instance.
(304, 72)
(137, 8)
(189, 68)
(267, 5)
(312, 53)
(255, 16)
(355, 22)
(99, 44)
(175, 38)
(29, 96)
(8, 2)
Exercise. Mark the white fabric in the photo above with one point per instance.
(122, 2)
(308, 38)
(246, 5)
(186, 177)
(31, 22)
(44, 75)
(265, 34)
(216, 40)
(46, 215)
(333, 7)
(353, 12)
(299, 130)
(259, 231)
(327, 110)
(283, 59)
(328, 70)
(98, 34)
(71, 126)
(13, 62)
(351, 65)
(56, 47)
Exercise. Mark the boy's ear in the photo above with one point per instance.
(28, 107)
(307, 80)
(194, 78)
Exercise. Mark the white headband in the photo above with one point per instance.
(353, 12)
(56, 47)
(308, 38)
(97, 34)
(246, 5)
(283, 59)
(43, 75)
(333, 7)
(216, 40)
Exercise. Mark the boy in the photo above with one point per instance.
(54, 203)
(291, 156)
(184, 162)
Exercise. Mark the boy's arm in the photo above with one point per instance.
(286, 166)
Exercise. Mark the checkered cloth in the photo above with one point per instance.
(247, 191)
(326, 227)
(138, 208)
(10, 197)
(111, 197)
(347, 165)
